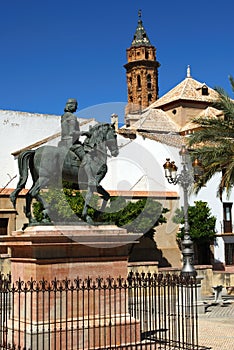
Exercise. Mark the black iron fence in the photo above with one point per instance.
(144, 311)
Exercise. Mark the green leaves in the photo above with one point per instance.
(201, 222)
(136, 216)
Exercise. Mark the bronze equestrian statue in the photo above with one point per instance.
(84, 164)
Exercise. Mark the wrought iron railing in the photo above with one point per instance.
(144, 311)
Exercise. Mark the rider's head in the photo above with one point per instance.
(71, 105)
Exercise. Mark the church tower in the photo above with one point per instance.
(141, 71)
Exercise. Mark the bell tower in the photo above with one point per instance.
(141, 71)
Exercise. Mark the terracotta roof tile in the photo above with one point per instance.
(189, 89)
(155, 120)
(8, 191)
(170, 139)
(156, 194)
(174, 140)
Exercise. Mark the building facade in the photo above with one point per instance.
(162, 127)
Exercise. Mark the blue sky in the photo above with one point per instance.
(55, 49)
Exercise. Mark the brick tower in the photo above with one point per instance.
(141, 71)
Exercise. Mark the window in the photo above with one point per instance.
(3, 226)
(138, 82)
(149, 81)
(227, 217)
(229, 253)
(205, 90)
(3, 231)
(149, 97)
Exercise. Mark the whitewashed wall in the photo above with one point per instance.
(139, 166)
(18, 130)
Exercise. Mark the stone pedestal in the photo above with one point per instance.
(69, 251)
(84, 317)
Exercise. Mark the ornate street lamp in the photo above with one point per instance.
(185, 179)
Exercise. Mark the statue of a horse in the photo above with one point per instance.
(49, 165)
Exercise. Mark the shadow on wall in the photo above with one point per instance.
(146, 250)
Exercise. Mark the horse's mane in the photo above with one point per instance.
(96, 134)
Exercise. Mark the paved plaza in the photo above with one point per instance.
(216, 327)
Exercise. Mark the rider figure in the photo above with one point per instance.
(70, 134)
(70, 128)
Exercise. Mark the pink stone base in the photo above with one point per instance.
(48, 252)
(69, 251)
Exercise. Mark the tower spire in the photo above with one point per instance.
(140, 37)
(141, 70)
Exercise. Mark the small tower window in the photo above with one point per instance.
(149, 85)
(130, 82)
(139, 81)
(146, 55)
(149, 98)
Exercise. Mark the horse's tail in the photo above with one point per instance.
(24, 163)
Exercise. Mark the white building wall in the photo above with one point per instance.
(18, 130)
(21, 129)
(139, 166)
(138, 159)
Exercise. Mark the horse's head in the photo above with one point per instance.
(111, 139)
(102, 135)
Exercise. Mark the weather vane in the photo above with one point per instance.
(139, 14)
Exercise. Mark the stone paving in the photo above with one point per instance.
(216, 327)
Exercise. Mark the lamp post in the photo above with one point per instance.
(185, 178)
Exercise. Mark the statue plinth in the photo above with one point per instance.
(69, 252)
(73, 253)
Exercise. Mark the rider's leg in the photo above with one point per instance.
(85, 162)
